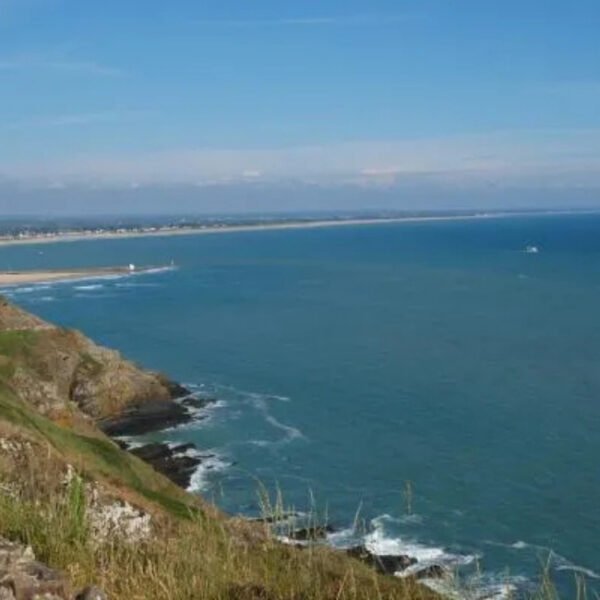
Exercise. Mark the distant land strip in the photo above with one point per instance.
(10, 278)
(78, 235)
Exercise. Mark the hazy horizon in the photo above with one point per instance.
(328, 105)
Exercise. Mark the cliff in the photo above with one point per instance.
(56, 369)
(96, 515)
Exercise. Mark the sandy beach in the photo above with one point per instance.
(8, 278)
(76, 236)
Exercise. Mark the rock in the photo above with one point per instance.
(22, 577)
(122, 444)
(117, 519)
(174, 462)
(176, 390)
(58, 368)
(311, 534)
(197, 403)
(91, 593)
(145, 418)
(276, 518)
(384, 564)
(431, 572)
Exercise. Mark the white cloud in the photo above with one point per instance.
(571, 156)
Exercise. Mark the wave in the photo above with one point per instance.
(380, 543)
(344, 538)
(154, 270)
(259, 401)
(90, 287)
(132, 441)
(564, 564)
(137, 284)
(28, 289)
(555, 560)
(480, 587)
(212, 462)
(201, 417)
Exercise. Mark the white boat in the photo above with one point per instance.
(532, 249)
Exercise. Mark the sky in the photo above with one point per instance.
(189, 105)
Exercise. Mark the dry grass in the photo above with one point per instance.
(202, 558)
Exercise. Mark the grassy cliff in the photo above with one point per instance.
(105, 517)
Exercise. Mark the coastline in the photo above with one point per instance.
(216, 229)
(79, 236)
(12, 278)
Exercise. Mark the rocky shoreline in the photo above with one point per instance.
(179, 462)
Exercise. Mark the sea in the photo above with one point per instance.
(428, 388)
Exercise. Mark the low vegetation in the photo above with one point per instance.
(193, 552)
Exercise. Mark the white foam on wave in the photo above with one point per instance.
(90, 287)
(495, 587)
(212, 462)
(24, 290)
(201, 416)
(259, 401)
(136, 284)
(344, 538)
(378, 542)
(555, 560)
(281, 398)
(155, 270)
(131, 441)
(564, 564)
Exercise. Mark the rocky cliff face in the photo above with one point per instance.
(55, 369)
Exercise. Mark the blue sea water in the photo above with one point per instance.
(433, 377)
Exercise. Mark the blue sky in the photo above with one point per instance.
(413, 101)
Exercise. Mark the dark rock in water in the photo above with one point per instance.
(311, 534)
(431, 572)
(144, 418)
(174, 463)
(278, 518)
(197, 403)
(122, 444)
(181, 448)
(176, 390)
(384, 564)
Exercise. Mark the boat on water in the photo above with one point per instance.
(532, 250)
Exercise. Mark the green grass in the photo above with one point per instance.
(13, 343)
(197, 559)
(97, 457)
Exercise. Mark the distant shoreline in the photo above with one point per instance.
(9, 278)
(78, 236)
